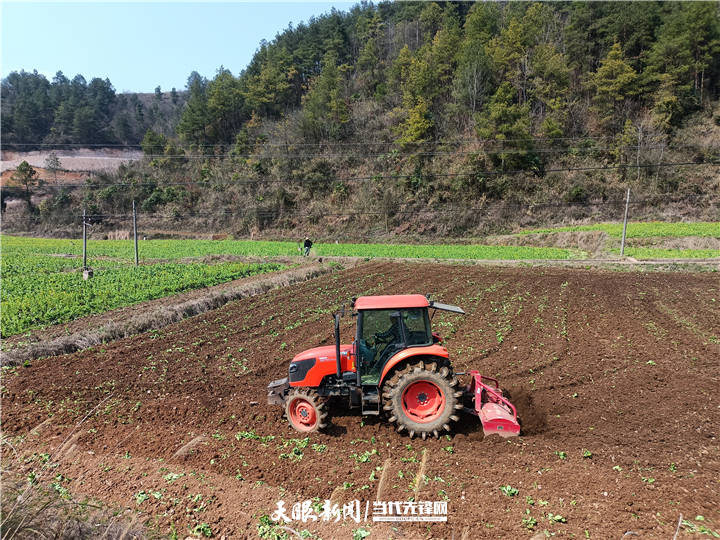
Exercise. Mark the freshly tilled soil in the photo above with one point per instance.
(615, 377)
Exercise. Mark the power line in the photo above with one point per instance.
(330, 144)
(564, 150)
(452, 209)
(478, 173)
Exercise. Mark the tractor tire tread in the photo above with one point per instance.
(442, 376)
(314, 398)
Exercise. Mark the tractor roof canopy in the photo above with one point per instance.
(392, 301)
(401, 301)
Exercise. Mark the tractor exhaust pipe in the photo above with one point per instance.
(337, 346)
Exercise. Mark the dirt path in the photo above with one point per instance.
(615, 376)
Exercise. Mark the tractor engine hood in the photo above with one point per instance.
(309, 368)
(323, 354)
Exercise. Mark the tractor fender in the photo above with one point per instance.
(429, 350)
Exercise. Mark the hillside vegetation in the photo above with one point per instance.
(430, 118)
(65, 113)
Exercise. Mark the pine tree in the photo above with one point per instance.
(474, 76)
(52, 164)
(506, 121)
(153, 144)
(325, 110)
(225, 107)
(418, 125)
(615, 82)
(270, 92)
(368, 65)
(26, 177)
(194, 120)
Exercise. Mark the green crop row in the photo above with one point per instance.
(445, 251)
(643, 229)
(33, 297)
(176, 249)
(659, 253)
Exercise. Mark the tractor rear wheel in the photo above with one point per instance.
(305, 410)
(422, 399)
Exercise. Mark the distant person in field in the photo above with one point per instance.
(307, 245)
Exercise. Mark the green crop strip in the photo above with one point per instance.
(445, 251)
(35, 296)
(176, 249)
(658, 253)
(643, 229)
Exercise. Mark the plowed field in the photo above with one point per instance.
(615, 376)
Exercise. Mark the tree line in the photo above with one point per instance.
(62, 111)
(434, 70)
(497, 71)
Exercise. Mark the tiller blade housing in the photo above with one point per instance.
(496, 413)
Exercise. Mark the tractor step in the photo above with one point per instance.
(371, 398)
(370, 402)
(496, 413)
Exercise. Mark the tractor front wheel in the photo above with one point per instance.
(305, 410)
(422, 399)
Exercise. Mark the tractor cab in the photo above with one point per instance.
(383, 332)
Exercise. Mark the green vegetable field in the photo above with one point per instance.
(177, 249)
(647, 229)
(39, 290)
(42, 285)
(660, 253)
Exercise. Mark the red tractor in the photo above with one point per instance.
(397, 366)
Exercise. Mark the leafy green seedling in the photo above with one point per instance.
(203, 529)
(529, 522)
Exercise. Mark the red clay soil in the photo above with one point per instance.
(615, 376)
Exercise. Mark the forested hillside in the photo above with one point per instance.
(397, 109)
(38, 113)
(488, 70)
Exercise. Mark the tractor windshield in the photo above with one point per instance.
(383, 332)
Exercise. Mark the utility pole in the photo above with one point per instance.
(84, 241)
(622, 243)
(135, 233)
(87, 272)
